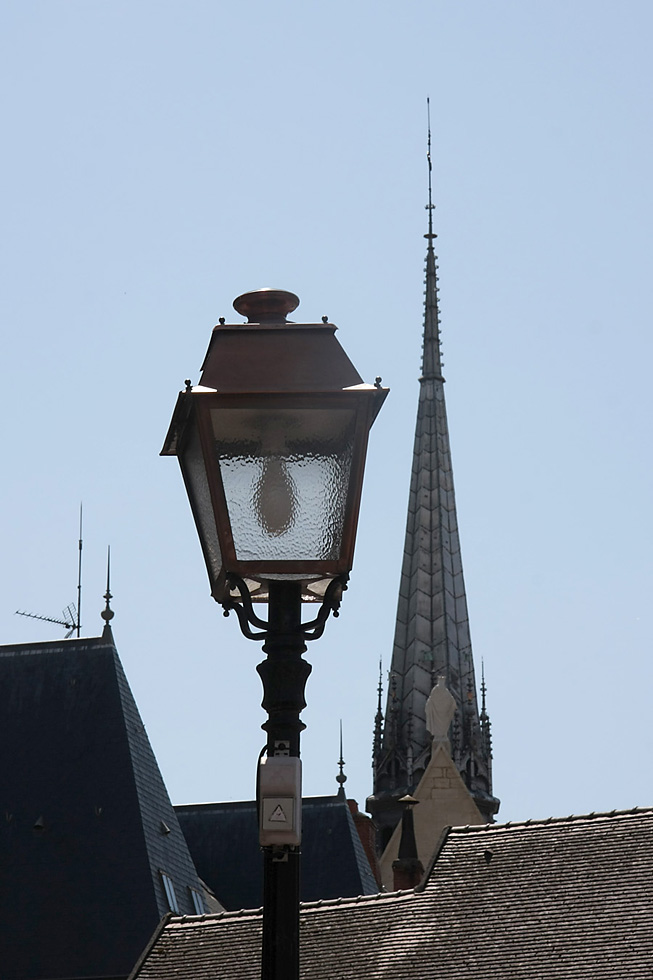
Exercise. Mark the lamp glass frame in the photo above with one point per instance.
(362, 402)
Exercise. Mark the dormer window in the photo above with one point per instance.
(169, 889)
(198, 901)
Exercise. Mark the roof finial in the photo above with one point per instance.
(107, 613)
(430, 207)
(341, 779)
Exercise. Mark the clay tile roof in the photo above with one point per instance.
(564, 899)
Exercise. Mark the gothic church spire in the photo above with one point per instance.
(432, 635)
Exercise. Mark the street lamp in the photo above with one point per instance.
(272, 446)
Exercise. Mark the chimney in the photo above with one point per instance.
(407, 869)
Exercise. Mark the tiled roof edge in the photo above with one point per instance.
(572, 818)
(444, 836)
(146, 952)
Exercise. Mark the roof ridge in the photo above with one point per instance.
(357, 899)
(572, 818)
(329, 798)
(215, 916)
(55, 646)
(319, 903)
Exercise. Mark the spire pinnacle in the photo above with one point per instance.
(380, 686)
(107, 613)
(483, 692)
(341, 779)
(378, 722)
(486, 727)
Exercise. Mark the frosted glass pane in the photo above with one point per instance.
(194, 472)
(286, 477)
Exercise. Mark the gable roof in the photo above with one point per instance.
(223, 841)
(568, 899)
(443, 799)
(87, 824)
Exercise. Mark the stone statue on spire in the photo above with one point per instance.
(440, 709)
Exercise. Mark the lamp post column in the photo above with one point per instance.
(284, 674)
(273, 464)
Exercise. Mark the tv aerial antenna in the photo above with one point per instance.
(71, 615)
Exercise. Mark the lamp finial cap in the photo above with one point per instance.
(266, 305)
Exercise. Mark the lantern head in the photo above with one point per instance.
(272, 446)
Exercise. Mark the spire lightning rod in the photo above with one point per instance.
(430, 205)
(78, 624)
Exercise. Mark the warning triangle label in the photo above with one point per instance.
(277, 815)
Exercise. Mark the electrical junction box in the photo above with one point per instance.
(280, 800)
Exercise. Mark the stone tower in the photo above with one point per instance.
(432, 637)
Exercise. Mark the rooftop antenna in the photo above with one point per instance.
(79, 575)
(71, 615)
(68, 620)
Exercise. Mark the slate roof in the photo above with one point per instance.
(86, 823)
(223, 842)
(568, 899)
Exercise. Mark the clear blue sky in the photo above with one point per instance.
(161, 158)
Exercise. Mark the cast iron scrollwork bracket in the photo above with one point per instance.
(247, 618)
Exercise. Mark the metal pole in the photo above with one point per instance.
(284, 674)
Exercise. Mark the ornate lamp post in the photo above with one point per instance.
(272, 446)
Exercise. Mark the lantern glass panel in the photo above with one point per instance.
(285, 473)
(197, 486)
